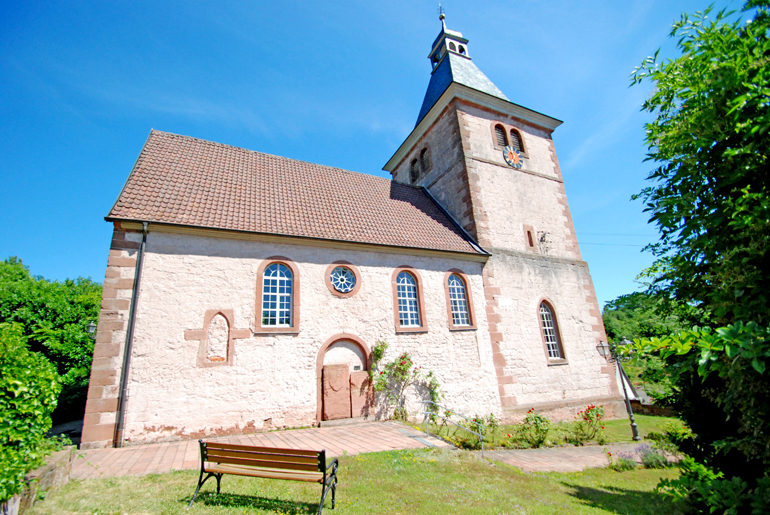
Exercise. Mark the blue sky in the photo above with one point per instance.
(338, 83)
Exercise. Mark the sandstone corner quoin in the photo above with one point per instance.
(245, 291)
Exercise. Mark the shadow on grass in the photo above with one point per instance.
(253, 501)
(621, 500)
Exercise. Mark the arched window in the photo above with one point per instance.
(414, 171)
(408, 300)
(453, 47)
(277, 298)
(516, 140)
(424, 160)
(500, 135)
(550, 332)
(458, 301)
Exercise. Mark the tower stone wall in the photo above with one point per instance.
(522, 218)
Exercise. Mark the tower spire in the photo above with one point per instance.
(451, 62)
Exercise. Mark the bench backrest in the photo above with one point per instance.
(266, 457)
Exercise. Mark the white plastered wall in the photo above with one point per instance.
(273, 379)
(524, 282)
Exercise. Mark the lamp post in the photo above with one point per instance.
(610, 353)
(91, 330)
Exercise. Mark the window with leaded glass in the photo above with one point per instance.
(550, 332)
(458, 301)
(408, 303)
(343, 279)
(277, 296)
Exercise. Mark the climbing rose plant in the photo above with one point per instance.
(394, 377)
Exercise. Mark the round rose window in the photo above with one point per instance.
(343, 279)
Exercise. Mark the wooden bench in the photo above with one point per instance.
(268, 462)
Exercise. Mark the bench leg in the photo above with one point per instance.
(219, 479)
(200, 484)
(330, 485)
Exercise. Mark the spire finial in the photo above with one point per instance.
(441, 15)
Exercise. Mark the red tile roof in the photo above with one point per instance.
(188, 181)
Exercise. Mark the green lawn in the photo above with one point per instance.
(400, 482)
(616, 431)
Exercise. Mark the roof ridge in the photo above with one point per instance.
(225, 145)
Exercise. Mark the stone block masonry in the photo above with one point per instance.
(102, 403)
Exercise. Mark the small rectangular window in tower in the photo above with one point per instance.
(529, 238)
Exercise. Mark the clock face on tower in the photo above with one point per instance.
(512, 157)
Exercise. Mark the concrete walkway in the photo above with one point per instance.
(164, 457)
(561, 459)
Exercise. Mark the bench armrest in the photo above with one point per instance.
(334, 464)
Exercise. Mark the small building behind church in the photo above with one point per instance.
(245, 291)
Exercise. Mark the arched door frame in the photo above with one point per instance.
(367, 353)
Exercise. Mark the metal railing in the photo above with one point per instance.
(428, 414)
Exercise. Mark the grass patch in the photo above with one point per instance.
(615, 431)
(398, 482)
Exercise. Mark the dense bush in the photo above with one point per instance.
(675, 436)
(723, 382)
(29, 388)
(54, 316)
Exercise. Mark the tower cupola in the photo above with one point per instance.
(451, 63)
(447, 41)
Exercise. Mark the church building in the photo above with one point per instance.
(245, 291)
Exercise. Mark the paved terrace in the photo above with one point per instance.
(370, 437)
(164, 457)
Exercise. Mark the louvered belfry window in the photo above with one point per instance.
(516, 140)
(500, 135)
(408, 304)
(424, 160)
(550, 332)
(414, 171)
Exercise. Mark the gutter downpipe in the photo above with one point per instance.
(123, 395)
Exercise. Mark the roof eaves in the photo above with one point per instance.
(478, 251)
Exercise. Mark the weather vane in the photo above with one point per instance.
(440, 12)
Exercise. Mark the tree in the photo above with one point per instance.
(53, 316)
(710, 139)
(29, 387)
(638, 315)
(641, 315)
(710, 202)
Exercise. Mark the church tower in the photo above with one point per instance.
(492, 165)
